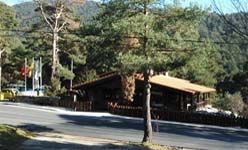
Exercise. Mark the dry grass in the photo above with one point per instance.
(150, 146)
(11, 137)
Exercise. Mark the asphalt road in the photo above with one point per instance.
(37, 118)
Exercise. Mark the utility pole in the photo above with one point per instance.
(1, 51)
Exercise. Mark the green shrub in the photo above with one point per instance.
(232, 102)
(55, 88)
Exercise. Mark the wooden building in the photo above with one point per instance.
(166, 93)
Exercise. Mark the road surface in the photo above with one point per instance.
(104, 125)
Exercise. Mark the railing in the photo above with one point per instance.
(202, 103)
(78, 105)
(189, 117)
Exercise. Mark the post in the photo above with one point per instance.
(40, 73)
(75, 102)
(25, 72)
(1, 69)
(72, 72)
(33, 65)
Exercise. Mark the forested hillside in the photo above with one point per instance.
(233, 50)
(27, 15)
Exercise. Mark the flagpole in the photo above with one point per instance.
(33, 74)
(72, 72)
(40, 72)
(25, 69)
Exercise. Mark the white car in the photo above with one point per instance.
(36, 92)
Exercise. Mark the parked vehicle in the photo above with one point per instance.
(8, 94)
(16, 87)
(30, 92)
(19, 90)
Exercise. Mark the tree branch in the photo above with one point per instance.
(43, 13)
(62, 26)
(58, 15)
(1, 51)
(61, 9)
(235, 28)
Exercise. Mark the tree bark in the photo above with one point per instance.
(147, 109)
(1, 51)
(147, 87)
(55, 28)
(54, 55)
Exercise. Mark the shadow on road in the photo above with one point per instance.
(35, 128)
(184, 130)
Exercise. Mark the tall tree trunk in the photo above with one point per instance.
(147, 109)
(1, 51)
(54, 55)
(147, 87)
(0, 72)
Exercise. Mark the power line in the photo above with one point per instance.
(31, 31)
(77, 33)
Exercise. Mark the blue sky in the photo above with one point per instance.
(12, 2)
(225, 5)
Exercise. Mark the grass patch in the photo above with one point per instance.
(150, 146)
(11, 137)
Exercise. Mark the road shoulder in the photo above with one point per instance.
(51, 141)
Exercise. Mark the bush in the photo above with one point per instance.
(88, 75)
(55, 88)
(232, 102)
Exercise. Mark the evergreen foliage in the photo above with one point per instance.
(189, 42)
(115, 40)
(14, 48)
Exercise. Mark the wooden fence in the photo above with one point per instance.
(77, 106)
(189, 117)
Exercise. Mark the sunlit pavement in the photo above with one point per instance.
(107, 126)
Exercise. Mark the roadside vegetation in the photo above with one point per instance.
(149, 146)
(140, 146)
(11, 137)
(126, 36)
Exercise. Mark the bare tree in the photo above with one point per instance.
(241, 7)
(56, 17)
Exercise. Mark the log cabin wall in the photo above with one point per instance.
(105, 90)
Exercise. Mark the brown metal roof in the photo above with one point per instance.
(180, 84)
(102, 77)
(162, 80)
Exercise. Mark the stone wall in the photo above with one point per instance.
(42, 100)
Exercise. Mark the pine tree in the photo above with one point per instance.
(11, 60)
(145, 36)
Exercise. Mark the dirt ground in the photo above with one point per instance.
(56, 141)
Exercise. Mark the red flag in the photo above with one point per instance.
(24, 70)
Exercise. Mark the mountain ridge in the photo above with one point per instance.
(26, 15)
